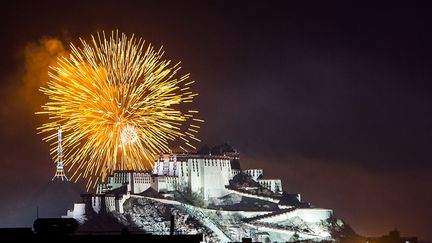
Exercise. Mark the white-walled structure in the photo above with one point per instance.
(135, 182)
(310, 215)
(162, 183)
(204, 174)
(77, 213)
(234, 172)
(207, 175)
(274, 185)
(254, 173)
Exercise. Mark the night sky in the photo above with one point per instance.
(333, 99)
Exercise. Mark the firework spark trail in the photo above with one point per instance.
(117, 102)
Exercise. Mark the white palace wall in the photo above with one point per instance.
(204, 174)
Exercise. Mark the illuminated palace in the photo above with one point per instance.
(203, 186)
(206, 175)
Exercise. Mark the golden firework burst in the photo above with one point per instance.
(119, 104)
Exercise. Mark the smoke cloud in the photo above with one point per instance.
(38, 57)
(19, 94)
(25, 158)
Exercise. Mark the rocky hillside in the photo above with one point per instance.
(152, 215)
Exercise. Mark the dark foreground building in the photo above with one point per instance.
(63, 231)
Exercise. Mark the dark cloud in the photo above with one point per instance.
(334, 99)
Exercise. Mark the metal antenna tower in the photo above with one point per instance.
(60, 172)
